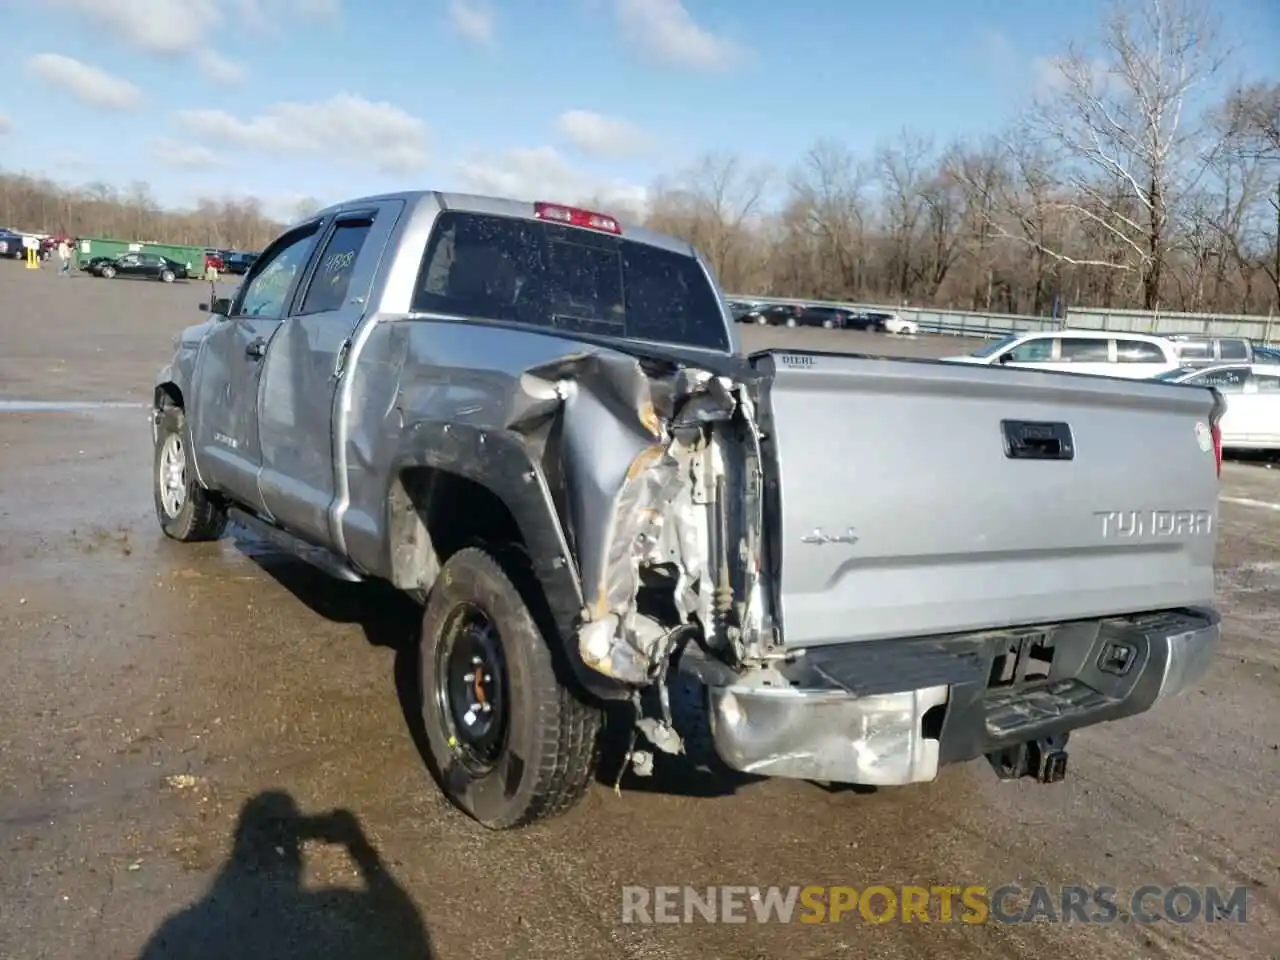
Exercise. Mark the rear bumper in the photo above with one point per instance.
(888, 713)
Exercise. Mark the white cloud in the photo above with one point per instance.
(192, 156)
(473, 19)
(540, 173)
(601, 136)
(666, 30)
(89, 85)
(345, 127)
(156, 26)
(219, 69)
(183, 26)
(6, 125)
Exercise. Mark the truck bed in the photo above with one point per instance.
(915, 498)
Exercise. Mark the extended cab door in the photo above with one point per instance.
(225, 424)
(304, 370)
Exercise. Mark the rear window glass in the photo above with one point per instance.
(567, 278)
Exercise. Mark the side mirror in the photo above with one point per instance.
(220, 306)
(1004, 358)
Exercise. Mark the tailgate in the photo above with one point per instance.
(902, 512)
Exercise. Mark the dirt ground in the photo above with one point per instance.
(206, 751)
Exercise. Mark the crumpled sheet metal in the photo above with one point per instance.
(622, 470)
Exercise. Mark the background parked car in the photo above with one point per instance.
(1202, 351)
(11, 245)
(832, 318)
(150, 266)
(1252, 391)
(238, 263)
(1135, 356)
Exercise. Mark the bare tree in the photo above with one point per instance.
(715, 203)
(830, 209)
(1124, 121)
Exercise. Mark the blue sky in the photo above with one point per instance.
(284, 99)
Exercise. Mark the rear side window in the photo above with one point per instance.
(328, 287)
(1138, 351)
(567, 278)
(1082, 350)
(1233, 349)
(1267, 383)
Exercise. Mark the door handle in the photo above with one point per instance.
(256, 349)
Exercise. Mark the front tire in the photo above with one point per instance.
(187, 511)
(166, 276)
(508, 743)
(106, 273)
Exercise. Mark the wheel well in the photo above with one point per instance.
(432, 514)
(167, 395)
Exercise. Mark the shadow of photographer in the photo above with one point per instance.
(257, 906)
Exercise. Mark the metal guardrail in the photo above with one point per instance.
(967, 323)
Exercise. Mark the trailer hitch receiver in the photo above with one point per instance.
(1043, 760)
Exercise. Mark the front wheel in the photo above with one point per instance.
(166, 276)
(508, 743)
(185, 509)
(106, 273)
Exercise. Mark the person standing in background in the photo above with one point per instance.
(64, 258)
(211, 274)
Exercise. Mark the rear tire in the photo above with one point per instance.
(532, 754)
(187, 511)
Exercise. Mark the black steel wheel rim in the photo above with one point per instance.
(471, 687)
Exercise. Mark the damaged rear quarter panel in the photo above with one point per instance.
(567, 434)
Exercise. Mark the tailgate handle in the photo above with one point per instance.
(1037, 440)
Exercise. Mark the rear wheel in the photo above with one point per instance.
(185, 509)
(508, 743)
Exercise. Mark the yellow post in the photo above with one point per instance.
(33, 260)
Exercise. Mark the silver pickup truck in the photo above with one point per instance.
(839, 568)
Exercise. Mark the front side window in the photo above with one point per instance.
(567, 278)
(1039, 350)
(266, 293)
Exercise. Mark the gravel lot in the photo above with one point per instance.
(177, 722)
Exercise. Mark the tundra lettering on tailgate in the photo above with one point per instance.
(1155, 523)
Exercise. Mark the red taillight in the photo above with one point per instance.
(576, 217)
(1217, 445)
